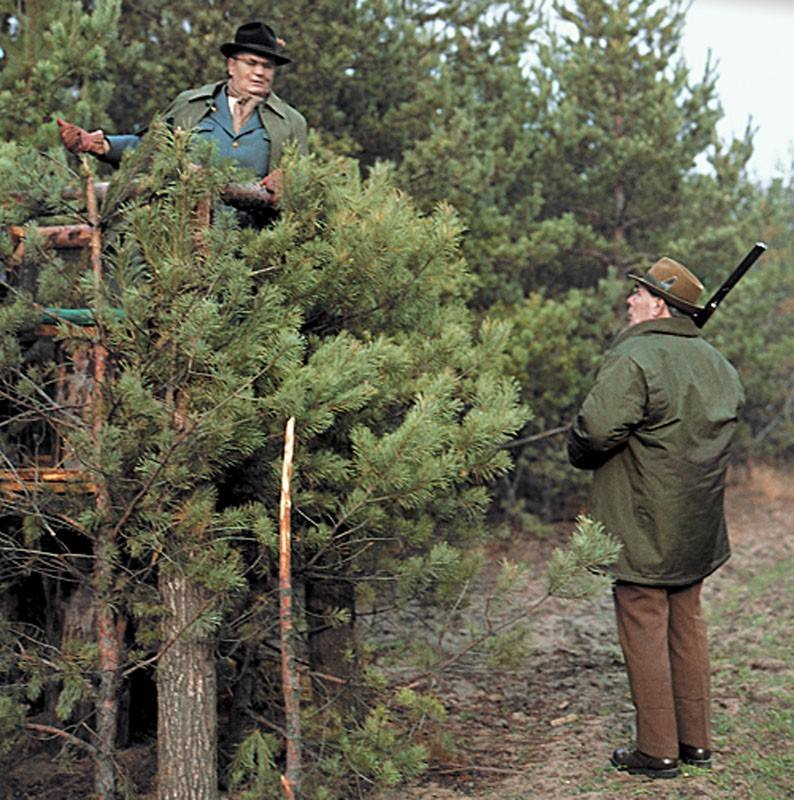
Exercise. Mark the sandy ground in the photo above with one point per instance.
(546, 729)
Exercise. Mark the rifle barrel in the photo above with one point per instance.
(702, 317)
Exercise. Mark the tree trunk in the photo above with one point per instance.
(186, 697)
(107, 704)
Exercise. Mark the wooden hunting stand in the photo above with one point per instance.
(79, 357)
(79, 367)
(72, 393)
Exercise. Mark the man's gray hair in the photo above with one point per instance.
(676, 312)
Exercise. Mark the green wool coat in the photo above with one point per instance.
(657, 428)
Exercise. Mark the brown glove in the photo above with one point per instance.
(77, 140)
(274, 183)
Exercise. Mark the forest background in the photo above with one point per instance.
(430, 306)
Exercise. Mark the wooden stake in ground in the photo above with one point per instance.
(108, 627)
(291, 781)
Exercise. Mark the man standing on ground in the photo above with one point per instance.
(657, 428)
(243, 116)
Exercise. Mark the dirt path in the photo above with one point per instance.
(545, 730)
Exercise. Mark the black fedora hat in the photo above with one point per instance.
(257, 38)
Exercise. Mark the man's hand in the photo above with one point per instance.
(77, 140)
(274, 183)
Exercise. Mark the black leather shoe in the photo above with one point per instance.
(695, 756)
(635, 762)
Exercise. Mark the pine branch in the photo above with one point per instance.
(60, 733)
(474, 643)
(170, 643)
(537, 437)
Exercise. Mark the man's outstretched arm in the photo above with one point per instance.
(107, 148)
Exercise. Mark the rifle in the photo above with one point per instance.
(702, 316)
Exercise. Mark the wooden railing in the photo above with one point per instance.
(80, 369)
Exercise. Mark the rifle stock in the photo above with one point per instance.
(702, 316)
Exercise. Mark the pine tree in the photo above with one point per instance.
(54, 54)
(346, 314)
(55, 63)
(556, 345)
(753, 328)
(623, 126)
(351, 313)
(621, 123)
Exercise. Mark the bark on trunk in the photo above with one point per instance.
(186, 697)
(107, 705)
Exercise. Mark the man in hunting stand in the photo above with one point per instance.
(656, 428)
(243, 116)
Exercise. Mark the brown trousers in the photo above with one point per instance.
(663, 636)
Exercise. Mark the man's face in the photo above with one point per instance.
(643, 306)
(250, 74)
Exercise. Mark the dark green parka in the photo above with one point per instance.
(657, 428)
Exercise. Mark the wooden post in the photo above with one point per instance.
(107, 627)
(61, 237)
(291, 781)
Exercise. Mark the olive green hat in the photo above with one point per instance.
(673, 282)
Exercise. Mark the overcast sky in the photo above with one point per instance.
(753, 42)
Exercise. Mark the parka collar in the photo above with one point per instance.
(672, 326)
(210, 91)
(276, 105)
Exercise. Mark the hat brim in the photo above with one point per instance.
(230, 49)
(676, 302)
